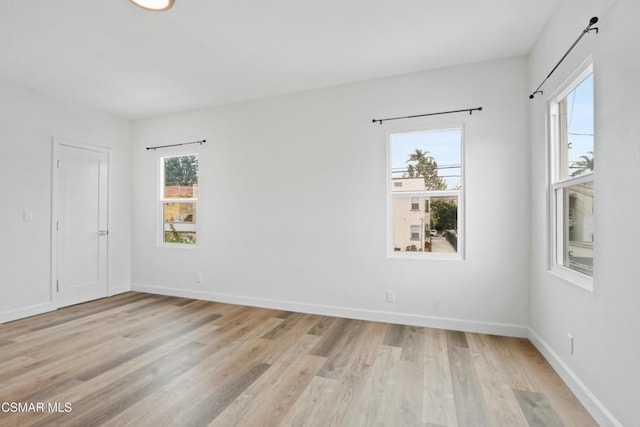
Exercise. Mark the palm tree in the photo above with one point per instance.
(421, 164)
(583, 165)
(419, 156)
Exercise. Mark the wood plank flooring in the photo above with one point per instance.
(148, 360)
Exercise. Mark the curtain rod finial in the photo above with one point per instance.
(533, 95)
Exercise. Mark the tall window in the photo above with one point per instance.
(572, 179)
(426, 170)
(179, 199)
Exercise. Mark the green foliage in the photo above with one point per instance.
(422, 165)
(174, 236)
(444, 215)
(182, 170)
(583, 165)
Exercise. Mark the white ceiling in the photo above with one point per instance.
(112, 56)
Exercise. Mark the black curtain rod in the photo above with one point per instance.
(177, 145)
(470, 110)
(588, 29)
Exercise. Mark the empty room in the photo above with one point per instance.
(346, 213)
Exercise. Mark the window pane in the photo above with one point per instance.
(179, 222)
(426, 161)
(422, 230)
(415, 232)
(180, 177)
(577, 212)
(415, 203)
(576, 130)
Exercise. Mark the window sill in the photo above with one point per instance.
(573, 277)
(177, 245)
(425, 256)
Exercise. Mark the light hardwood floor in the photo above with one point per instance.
(148, 360)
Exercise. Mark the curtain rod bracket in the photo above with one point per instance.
(534, 94)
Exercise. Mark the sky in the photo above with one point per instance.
(443, 145)
(580, 120)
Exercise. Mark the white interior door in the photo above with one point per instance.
(80, 224)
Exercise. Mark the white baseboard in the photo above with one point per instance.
(118, 291)
(32, 310)
(595, 407)
(346, 312)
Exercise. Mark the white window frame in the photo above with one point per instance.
(162, 201)
(557, 183)
(460, 254)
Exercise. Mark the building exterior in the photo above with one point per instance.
(179, 213)
(579, 245)
(411, 217)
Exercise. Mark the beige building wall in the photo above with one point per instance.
(410, 212)
(407, 184)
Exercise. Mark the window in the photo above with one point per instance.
(179, 199)
(415, 232)
(572, 178)
(425, 170)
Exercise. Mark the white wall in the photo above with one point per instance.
(605, 324)
(28, 122)
(293, 202)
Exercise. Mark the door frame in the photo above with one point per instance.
(56, 143)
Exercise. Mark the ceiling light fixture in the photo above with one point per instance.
(154, 5)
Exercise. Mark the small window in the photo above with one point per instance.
(426, 170)
(572, 179)
(415, 232)
(179, 199)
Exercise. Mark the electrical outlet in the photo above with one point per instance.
(391, 296)
(570, 339)
(199, 278)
